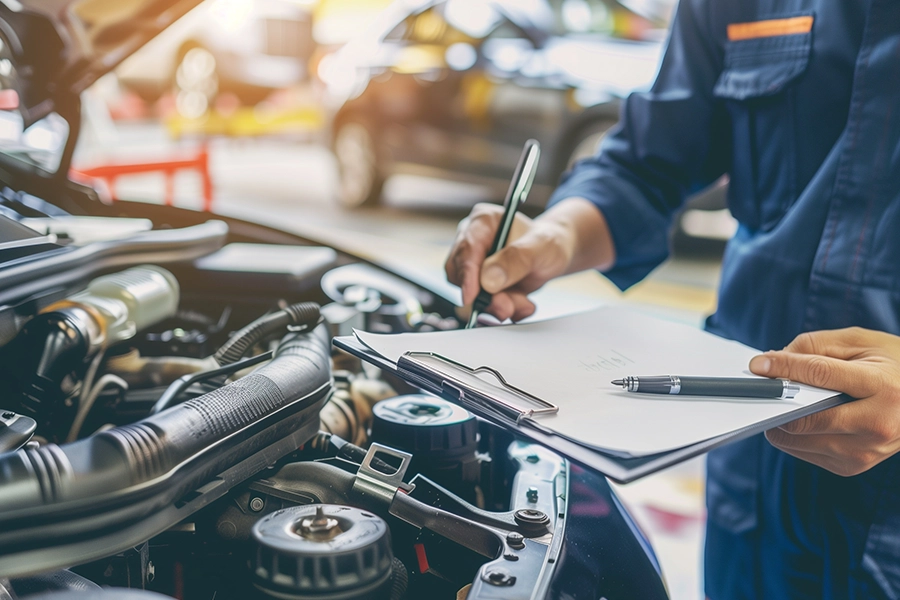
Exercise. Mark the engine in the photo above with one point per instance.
(188, 431)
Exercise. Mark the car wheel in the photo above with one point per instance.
(360, 173)
(586, 139)
(196, 82)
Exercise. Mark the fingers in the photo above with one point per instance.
(825, 461)
(509, 266)
(527, 263)
(839, 420)
(851, 378)
(840, 454)
(845, 344)
(473, 239)
(513, 305)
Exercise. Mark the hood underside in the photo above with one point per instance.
(58, 48)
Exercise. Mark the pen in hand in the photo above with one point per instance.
(732, 387)
(519, 187)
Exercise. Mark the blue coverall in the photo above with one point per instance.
(806, 122)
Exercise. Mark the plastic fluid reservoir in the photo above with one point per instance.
(441, 436)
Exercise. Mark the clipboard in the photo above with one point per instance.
(449, 382)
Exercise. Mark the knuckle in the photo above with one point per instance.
(859, 337)
(857, 462)
(845, 469)
(819, 371)
(483, 210)
(882, 432)
(794, 427)
(801, 426)
(520, 258)
(802, 341)
(450, 270)
(856, 332)
(775, 437)
(462, 247)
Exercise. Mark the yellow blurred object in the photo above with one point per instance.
(419, 59)
(249, 122)
(630, 26)
(327, 8)
(335, 22)
(477, 93)
(429, 27)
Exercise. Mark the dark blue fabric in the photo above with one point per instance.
(807, 127)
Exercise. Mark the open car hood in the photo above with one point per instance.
(58, 48)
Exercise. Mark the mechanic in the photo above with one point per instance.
(799, 103)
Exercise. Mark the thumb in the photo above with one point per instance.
(510, 265)
(821, 371)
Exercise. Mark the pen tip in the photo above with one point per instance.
(618, 382)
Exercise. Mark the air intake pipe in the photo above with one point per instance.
(88, 499)
(66, 335)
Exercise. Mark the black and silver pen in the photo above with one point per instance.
(519, 187)
(732, 387)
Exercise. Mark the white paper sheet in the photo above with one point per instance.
(571, 361)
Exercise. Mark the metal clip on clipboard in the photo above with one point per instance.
(416, 362)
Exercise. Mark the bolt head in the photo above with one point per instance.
(257, 504)
(531, 516)
(515, 540)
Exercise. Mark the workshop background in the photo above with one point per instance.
(381, 124)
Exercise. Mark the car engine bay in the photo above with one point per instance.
(175, 423)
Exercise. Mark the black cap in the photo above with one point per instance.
(425, 425)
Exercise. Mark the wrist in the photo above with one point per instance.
(582, 232)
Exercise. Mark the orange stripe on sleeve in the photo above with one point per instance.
(770, 28)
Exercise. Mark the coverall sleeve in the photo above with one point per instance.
(670, 141)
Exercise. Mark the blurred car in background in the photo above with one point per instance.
(248, 48)
(455, 87)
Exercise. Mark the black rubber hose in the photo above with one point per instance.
(326, 484)
(331, 445)
(52, 582)
(185, 381)
(302, 314)
(166, 453)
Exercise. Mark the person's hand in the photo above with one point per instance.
(853, 437)
(570, 236)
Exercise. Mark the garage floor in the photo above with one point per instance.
(291, 185)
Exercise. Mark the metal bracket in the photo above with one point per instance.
(378, 485)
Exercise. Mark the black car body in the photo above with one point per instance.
(133, 457)
(455, 88)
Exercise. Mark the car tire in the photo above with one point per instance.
(360, 173)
